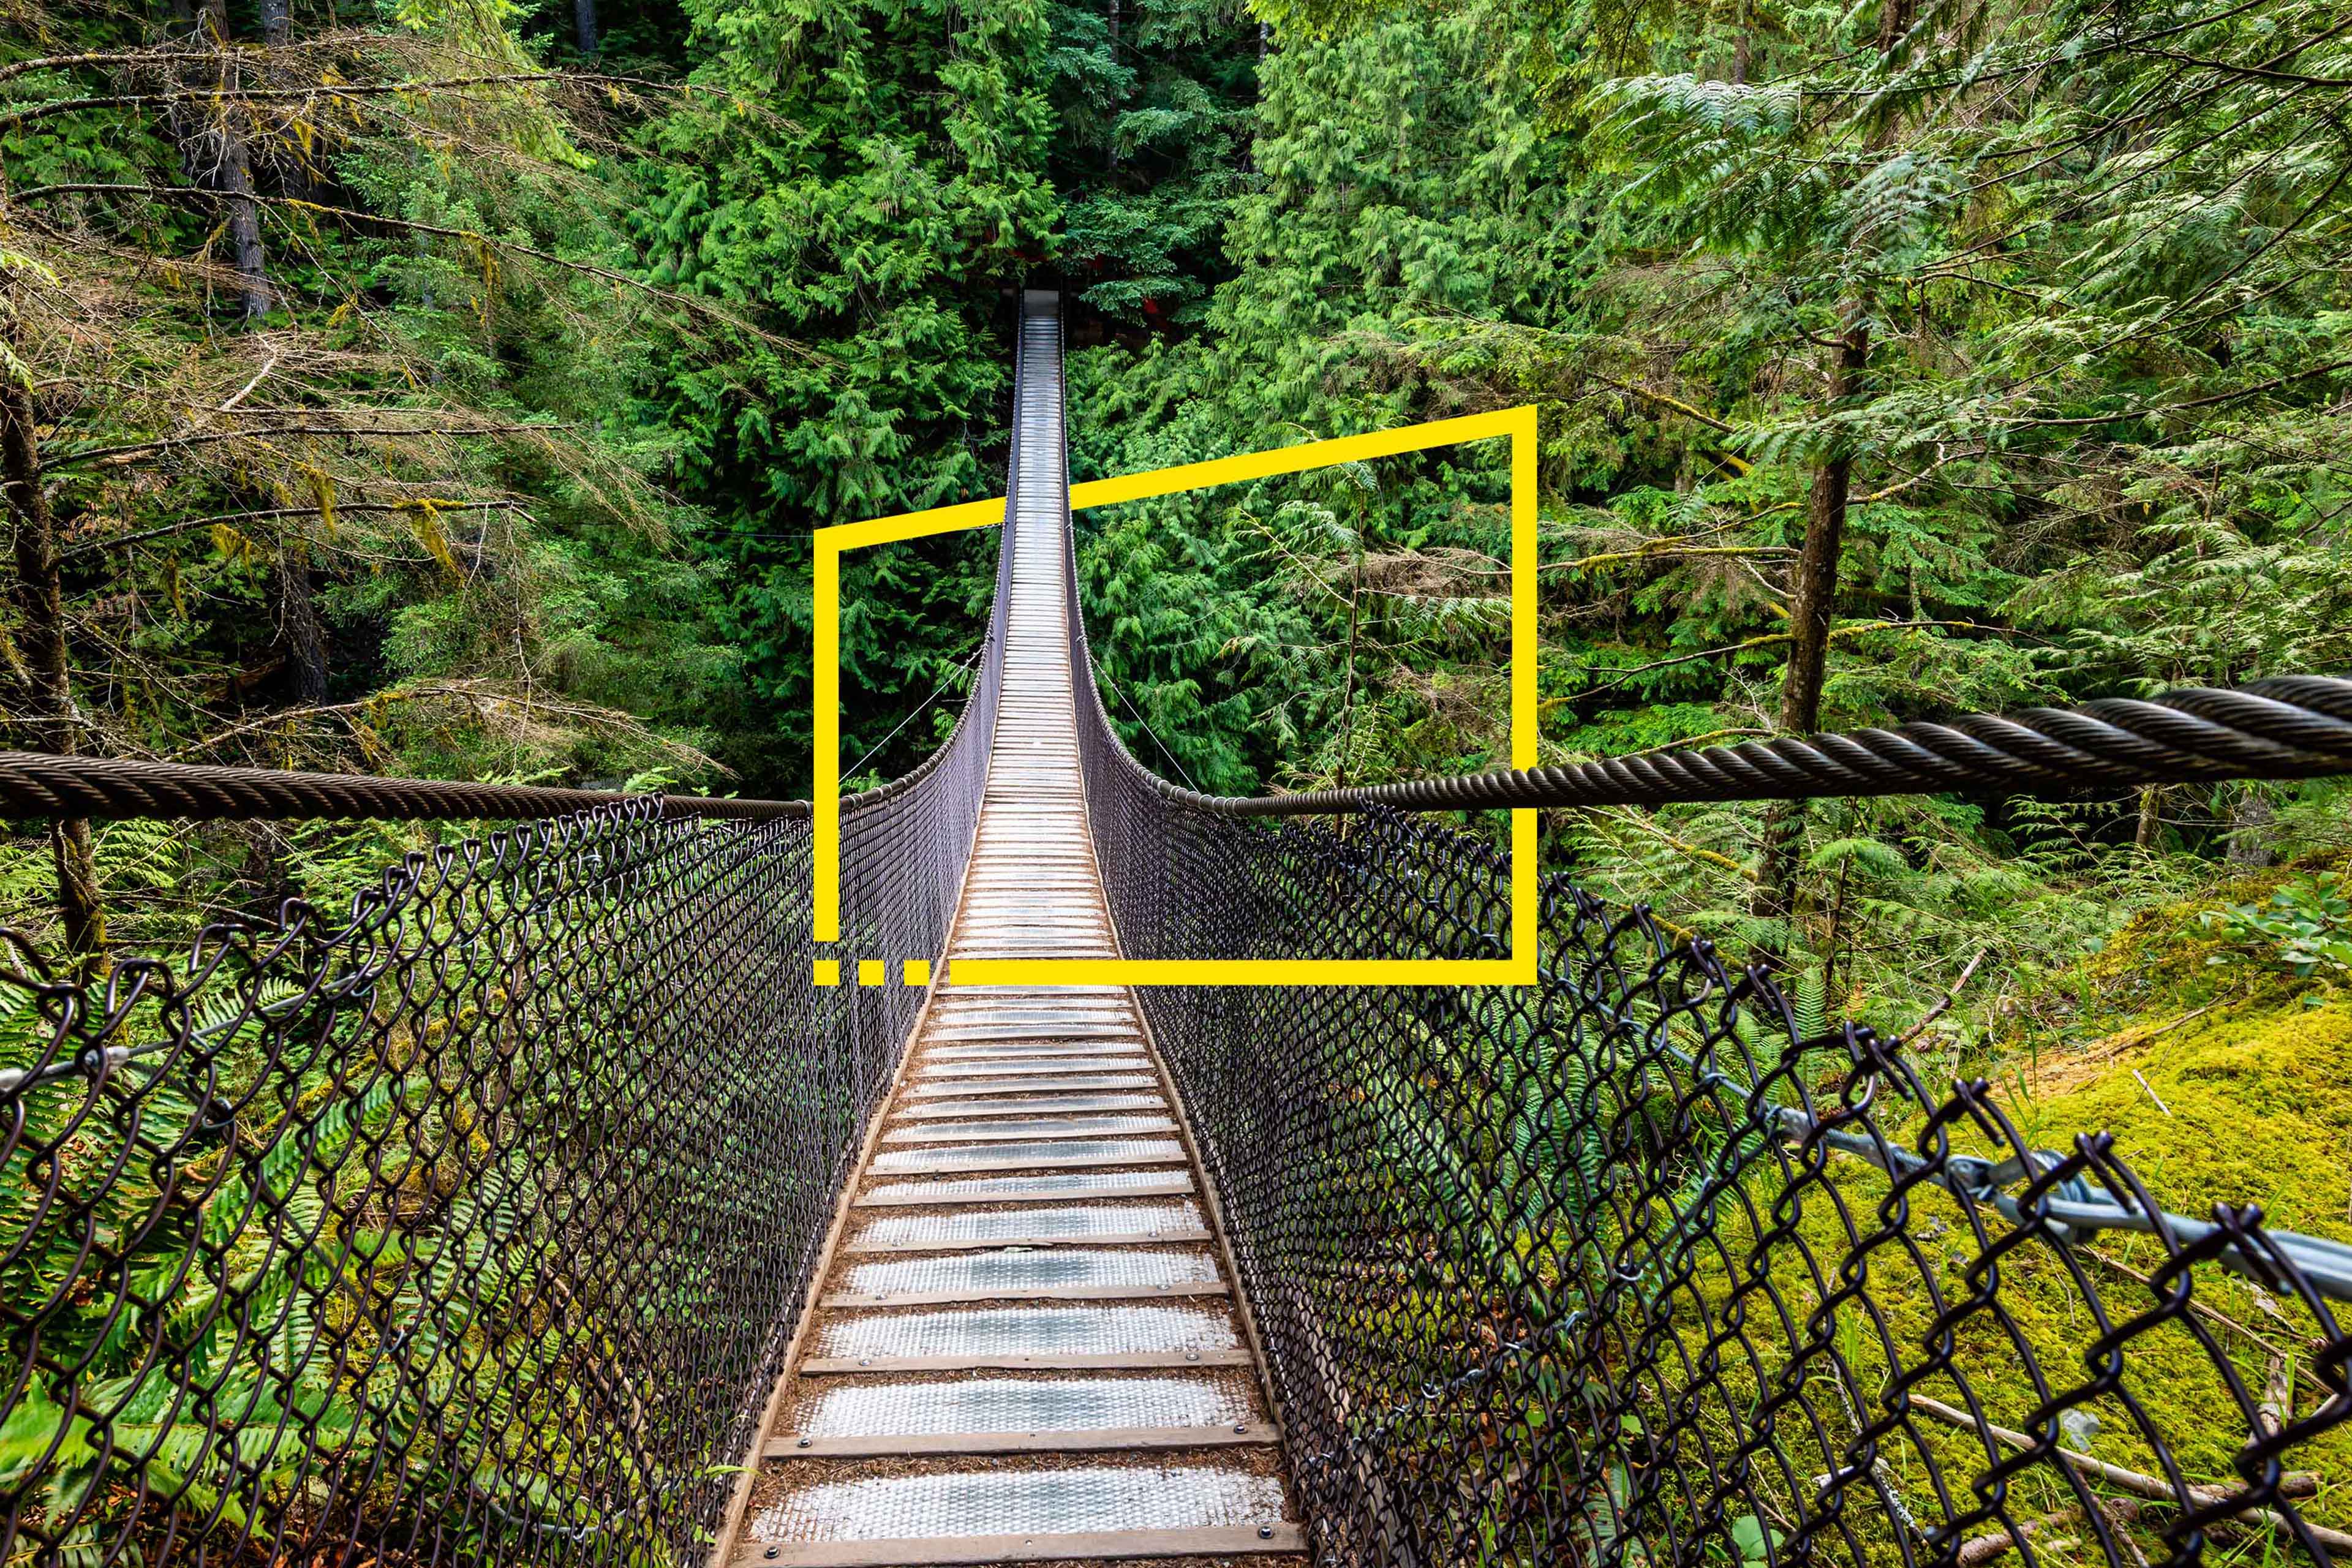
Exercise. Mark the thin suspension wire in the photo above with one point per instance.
(937, 692)
(1119, 690)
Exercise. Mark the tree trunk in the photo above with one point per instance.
(2249, 819)
(298, 619)
(1813, 597)
(213, 156)
(1743, 46)
(1114, 61)
(584, 26)
(1348, 687)
(41, 601)
(254, 292)
(267, 873)
(1813, 603)
(2151, 818)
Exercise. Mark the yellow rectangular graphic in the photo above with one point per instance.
(1518, 424)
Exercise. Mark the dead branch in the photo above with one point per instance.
(265, 95)
(190, 524)
(2293, 1484)
(2210, 1313)
(1936, 1012)
(114, 457)
(687, 302)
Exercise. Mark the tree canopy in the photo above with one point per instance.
(452, 389)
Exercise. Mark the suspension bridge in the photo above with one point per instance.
(544, 1208)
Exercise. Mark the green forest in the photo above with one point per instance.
(449, 388)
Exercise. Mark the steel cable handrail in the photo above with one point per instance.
(37, 784)
(2282, 727)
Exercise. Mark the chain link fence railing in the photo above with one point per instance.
(467, 1225)
(1629, 1267)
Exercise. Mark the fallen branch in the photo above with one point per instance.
(2129, 1041)
(2212, 1314)
(1983, 1549)
(2278, 1395)
(243, 392)
(2292, 1484)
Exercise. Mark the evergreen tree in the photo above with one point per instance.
(865, 179)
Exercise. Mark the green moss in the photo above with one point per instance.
(2220, 1081)
(2222, 1075)
(2250, 1104)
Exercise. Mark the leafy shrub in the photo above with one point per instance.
(2305, 928)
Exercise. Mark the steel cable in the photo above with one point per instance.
(2288, 727)
(2283, 728)
(36, 783)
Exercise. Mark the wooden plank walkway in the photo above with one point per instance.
(1027, 1348)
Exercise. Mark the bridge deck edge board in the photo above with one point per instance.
(1186, 1236)
(1115, 1360)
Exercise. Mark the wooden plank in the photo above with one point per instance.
(1132, 1102)
(1101, 1440)
(1107, 1360)
(1096, 1546)
(900, 1136)
(843, 1299)
(1105, 1082)
(1127, 1056)
(1043, 1162)
(1122, 1238)
(1173, 1188)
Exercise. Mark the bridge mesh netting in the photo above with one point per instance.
(469, 1229)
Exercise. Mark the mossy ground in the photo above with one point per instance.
(2222, 1078)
